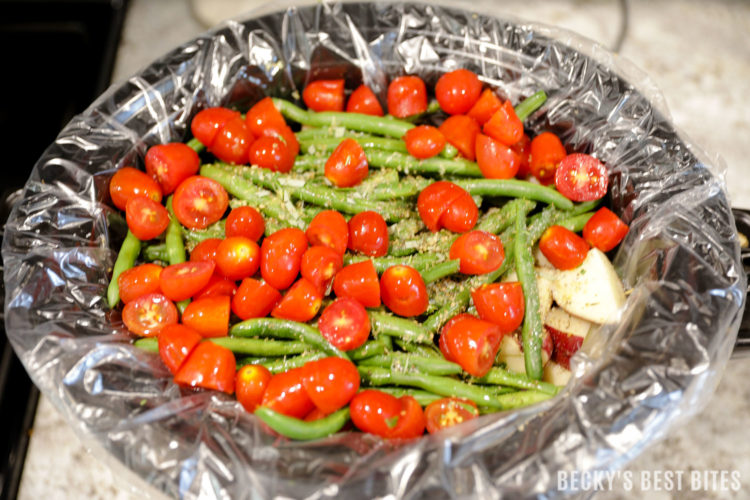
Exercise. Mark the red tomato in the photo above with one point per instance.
(495, 159)
(148, 314)
(172, 163)
(461, 215)
(199, 202)
(139, 280)
(217, 285)
(237, 257)
(330, 382)
(182, 281)
(345, 324)
(403, 291)
(546, 154)
(563, 248)
(480, 252)
(129, 182)
(146, 219)
(271, 153)
(458, 91)
(233, 142)
(330, 229)
(523, 149)
(176, 342)
(461, 131)
(486, 106)
(434, 200)
(205, 250)
(245, 221)
(314, 415)
(250, 383)
(360, 282)
(364, 101)
(501, 304)
(286, 135)
(447, 412)
(378, 413)
(504, 125)
(368, 234)
(264, 115)
(209, 366)
(208, 316)
(319, 265)
(300, 303)
(580, 177)
(281, 256)
(324, 95)
(424, 141)
(208, 122)
(407, 96)
(286, 394)
(604, 230)
(471, 342)
(254, 299)
(347, 165)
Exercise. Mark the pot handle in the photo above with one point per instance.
(742, 221)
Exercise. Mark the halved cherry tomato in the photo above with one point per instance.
(250, 383)
(176, 342)
(232, 143)
(461, 131)
(347, 166)
(148, 314)
(471, 342)
(139, 280)
(461, 215)
(447, 412)
(207, 123)
(434, 200)
(486, 106)
(378, 413)
(319, 265)
(237, 257)
(281, 256)
(360, 282)
(286, 394)
(209, 366)
(286, 135)
(480, 252)
(146, 219)
(324, 95)
(504, 125)
(217, 285)
(424, 141)
(330, 382)
(271, 153)
(580, 177)
(300, 303)
(523, 149)
(205, 250)
(457, 91)
(245, 221)
(182, 281)
(345, 324)
(199, 202)
(547, 151)
(407, 95)
(403, 291)
(495, 159)
(364, 101)
(501, 304)
(368, 234)
(264, 115)
(129, 182)
(330, 229)
(563, 248)
(254, 299)
(208, 316)
(172, 163)
(604, 230)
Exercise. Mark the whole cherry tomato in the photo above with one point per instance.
(368, 234)
(237, 257)
(403, 291)
(254, 299)
(271, 153)
(345, 324)
(199, 202)
(330, 382)
(523, 149)
(447, 412)
(457, 91)
(378, 413)
(563, 248)
(207, 123)
(146, 219)
(176, 342)
(208, 316)
(139, 280)
(486, 106)
(364, 101)
(504, 125)
(205, 250)
(480, 252)
(148, 314)
(233, 142)
(217, 285)
(264, 115)
(281, 256)
(245, 221)
(170, 164)
(495, 159)
(249, 384)
(461, 131)
(360, 282)
(182, 281)
(546, 154)
(501, 304)
(580, 177)
(319, 265)
(434, 200)
(300, 303)
(604, 230)
(324, 95)
(330, 229)
(129, 182)
(407, 96)
(209, 366)
(347, 166)
(286, 394)
(471, 342)
(424, 141)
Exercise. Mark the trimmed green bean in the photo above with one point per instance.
(495, 220)
(155, 252)
(530, 104)
(393, 326)
(424, 350)
(196, 145)
(324, 145)
(148, 344)
(515, 188)
(519, 399)
(576, 222)
(420, 261)
(285, 329)
(287, 363)
(401, 361)
(410, 165)
(424, 398)
(129, 251)
(498, 376)
(531, 331)
(261, 347)
(440, 271)
(195, 236)
(456, 305)
(586, 206)
(367, 350)
(330, 198)
(295, 428)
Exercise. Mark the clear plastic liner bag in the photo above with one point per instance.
(632, 382)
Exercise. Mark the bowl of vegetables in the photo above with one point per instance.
(389, 248)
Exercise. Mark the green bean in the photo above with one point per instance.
(261, 347)
(586, 206)
(498, 376)
(322, 145)
(309, 163)
(531, 331)
(495, 220)
(424, 350)
(424, 398)
(148, 344)
(366, 350)
(129, 251)
(419, 261)
(195, 236)
(330, 198)
(401, 361)
(515, 188)
(456, 305)
(295, 428)
(155, 252)
(196, 145)
(287, 363)
(255, 360)
(576, 222)
(285, 329)
(406, 329)
(410, 165)
(440, 271)
(175, 246)
(520, 399)
(530, 104)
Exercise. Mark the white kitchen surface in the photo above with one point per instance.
(696, 52)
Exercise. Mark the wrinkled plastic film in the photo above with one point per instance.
(632, 382)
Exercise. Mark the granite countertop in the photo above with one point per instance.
(696, 53)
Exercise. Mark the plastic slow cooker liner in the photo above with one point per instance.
(632, 381)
